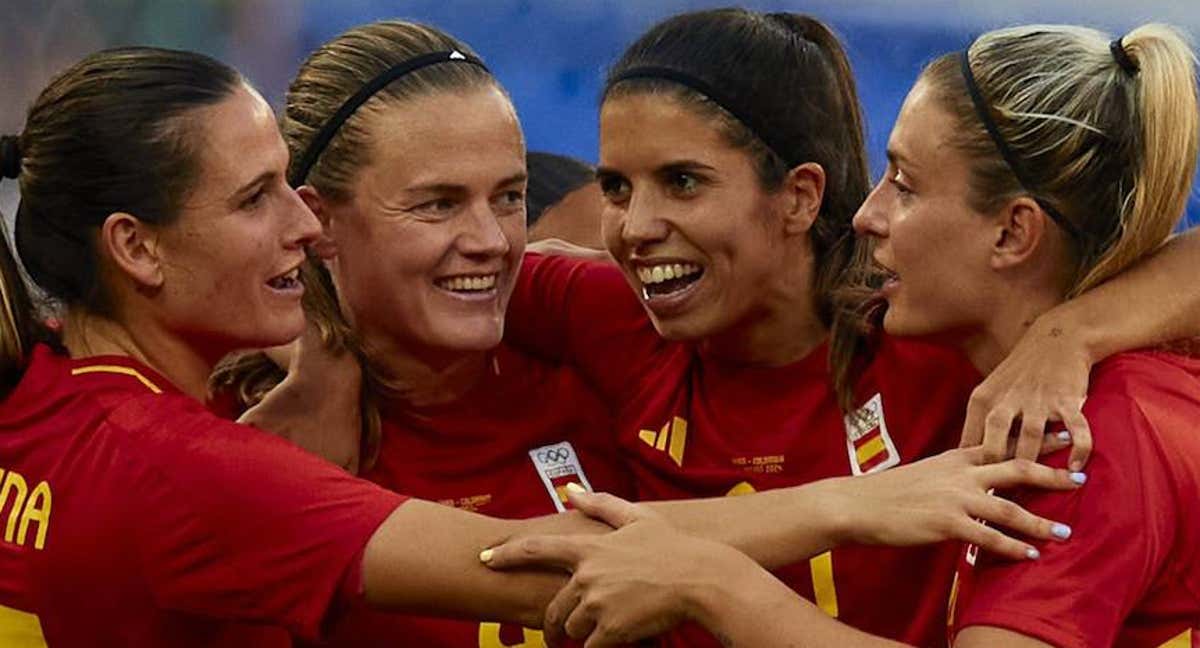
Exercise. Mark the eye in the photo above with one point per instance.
(615, 188)
(439, 207)
(684, 183)
(896, 179)
(254, 200)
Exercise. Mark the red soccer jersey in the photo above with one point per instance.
(137, 518)
(696, 428)
(1130, 574)
(506, 449)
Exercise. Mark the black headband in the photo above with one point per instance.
(1117, 47)
(726, 102)
(1010, 158)
(10, 157)
(325, 135)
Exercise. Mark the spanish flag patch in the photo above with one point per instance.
(867, 441)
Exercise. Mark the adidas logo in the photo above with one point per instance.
(672, 438)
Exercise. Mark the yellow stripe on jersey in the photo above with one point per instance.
(869, 449)
(678, 440)
(648, 437)
(489, 637)
(117, 369)
(822, 580)
(20, 629)
(1184, 640)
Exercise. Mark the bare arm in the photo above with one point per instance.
(987, 636)
(1045, 378)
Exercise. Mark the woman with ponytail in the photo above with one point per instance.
(156, 217)
(1038, 163)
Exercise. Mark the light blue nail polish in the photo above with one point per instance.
(1032, 554)
(1064, 436)
(1079, 478)
(1060, 531)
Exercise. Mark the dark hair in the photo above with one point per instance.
(796, 102)
(551, 178)
(108, 135)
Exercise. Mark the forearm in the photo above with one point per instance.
(775, 528)
(757, 610)
(1155, 301)
(425, 559)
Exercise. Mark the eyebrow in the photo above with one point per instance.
(896, 157)
(444, 187)
(262, 178)
(674, 165)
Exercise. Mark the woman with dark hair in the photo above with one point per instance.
(155, 209)
(1039, 162)
(732, 163)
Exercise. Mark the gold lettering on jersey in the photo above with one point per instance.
(24, 509)
(672, 439)
(764, 465)
(1182, 640)
(472, 503)
(489, 637)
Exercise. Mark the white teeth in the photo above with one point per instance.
(465, 283)
(666, 272)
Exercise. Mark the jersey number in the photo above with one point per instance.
(489, 637)
(20, 629)
(821, 566)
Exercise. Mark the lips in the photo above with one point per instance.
(468, 283)
(666, 278)
(286, 281)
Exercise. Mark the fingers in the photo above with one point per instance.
(998, 424)
(1081, 437)
(1031, 435)
(1006, 514)
(610, 509)
(977, 410)
(1054, 442)
(1019, 472)
(560, 552)
(558, 611)
(991, 540)
(581, 624)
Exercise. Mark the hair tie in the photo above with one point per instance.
(10, 157)
(1117, 47)
(309, 158)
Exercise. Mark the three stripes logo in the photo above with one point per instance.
(867, 441)
(672, 438)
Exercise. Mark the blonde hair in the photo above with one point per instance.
(1113, 150)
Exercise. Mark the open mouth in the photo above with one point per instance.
(665, 279)
(468, 284)
(287, 281)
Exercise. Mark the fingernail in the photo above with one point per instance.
(1079, 478)
(1064, 436)
(485, 556)
(575, 488)
(1060, 531)
(1032, 554)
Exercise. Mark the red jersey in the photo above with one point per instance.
(694, 427)
(506, 449)
(1130, 574)
(137, 518)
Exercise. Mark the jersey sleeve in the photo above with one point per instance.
(582, 313)
(235, 523)
(1080, 592)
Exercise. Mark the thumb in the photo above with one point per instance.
(609, 509)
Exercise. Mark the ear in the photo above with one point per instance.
(805, 189)
(324, 247)
(133, 247)
(1020, 230)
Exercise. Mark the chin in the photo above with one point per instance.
(681, 329)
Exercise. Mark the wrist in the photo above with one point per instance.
(830, 510)
(741, 592)
(1069, 323)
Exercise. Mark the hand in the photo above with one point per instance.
(559, 247)
(636, 582)
(1043, 379)
(317, 406)
(944, 498)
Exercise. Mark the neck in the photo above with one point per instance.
(86, 335)
(783, 329)
(423, 377)
(991, 343)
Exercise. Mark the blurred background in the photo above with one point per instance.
(550, 54)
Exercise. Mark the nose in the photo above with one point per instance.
(871, 218)
(640, 222)
(304, 228)
(481, 233)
